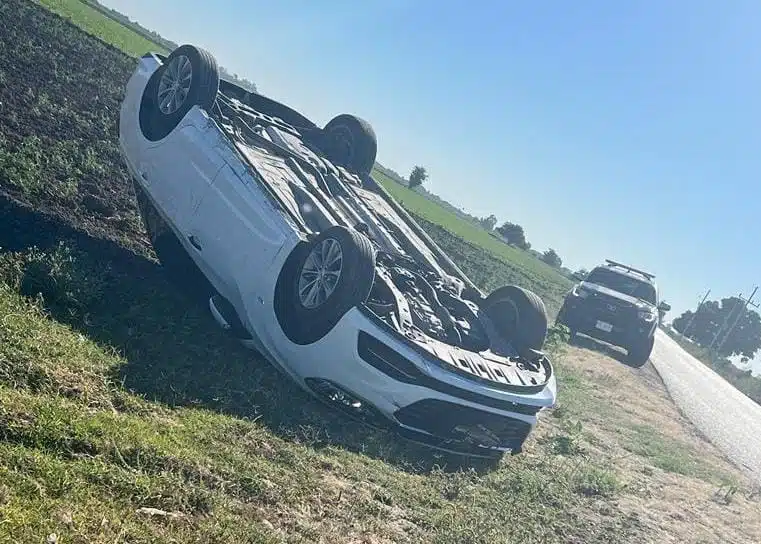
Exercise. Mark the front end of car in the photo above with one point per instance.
(374, 374)
(606, 317)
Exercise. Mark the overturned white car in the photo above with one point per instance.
(314, 265)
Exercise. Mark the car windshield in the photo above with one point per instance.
(622, 284)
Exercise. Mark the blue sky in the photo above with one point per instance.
(627, 130)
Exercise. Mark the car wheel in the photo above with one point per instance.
(520, 316)
(351, 142)
(639, 353)
(177, 264)
(189, 77)
(322, 280)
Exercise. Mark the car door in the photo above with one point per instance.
(236, 232)
(180, 168)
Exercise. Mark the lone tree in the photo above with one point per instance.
(552, 258)
(745, 338)
(581, 273)
(417, 177)
(661, 313)
(488, 222)
(513, 235)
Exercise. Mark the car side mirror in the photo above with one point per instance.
(664, 306)
(577, 276)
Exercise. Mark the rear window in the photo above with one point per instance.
(623, 284)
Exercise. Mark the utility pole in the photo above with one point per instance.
(726, 320)
(739, 315)
(689, 324)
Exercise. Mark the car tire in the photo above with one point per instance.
(350, 142)
(164, 106)
(638, 354)
(520, 316)
(306, 315)
(175, 261)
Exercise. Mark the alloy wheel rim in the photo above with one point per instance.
(320, 273)
(174, 85)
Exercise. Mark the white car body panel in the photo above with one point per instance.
(201, 185)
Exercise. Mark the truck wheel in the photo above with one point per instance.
(639, 353)
(520, 316)
(351, 142)
(189, 77)
(321, 280)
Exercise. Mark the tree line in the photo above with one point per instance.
(157, 38)
(511, 233)
(712, 326)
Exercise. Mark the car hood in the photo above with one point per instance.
(634, 301)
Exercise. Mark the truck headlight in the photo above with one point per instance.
(579, 291)
(647, 315)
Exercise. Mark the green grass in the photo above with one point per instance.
(646, 442)
(489, 262)
(433, 213)
(97, 24)
(127, 415)
(116, 396)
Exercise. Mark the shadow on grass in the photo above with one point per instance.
(613, 352)
(174, 352)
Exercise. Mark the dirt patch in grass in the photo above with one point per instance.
(676, 483)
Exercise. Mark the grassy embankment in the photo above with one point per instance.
(126, 415)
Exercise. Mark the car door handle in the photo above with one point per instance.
(194, 242)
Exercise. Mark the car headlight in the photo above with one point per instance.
(579, 291)
(647, 315)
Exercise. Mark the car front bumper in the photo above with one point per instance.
(362, 368)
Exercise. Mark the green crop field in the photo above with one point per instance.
(94, 22)
(443, 225)
(533, 274)
(127, 415)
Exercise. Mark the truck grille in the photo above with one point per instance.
(611, 310)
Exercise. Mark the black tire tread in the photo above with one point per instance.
(639, 354)
(306, 326)
(531, 330)
(156, 126)
(366, 151)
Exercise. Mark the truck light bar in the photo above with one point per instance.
(648, 275)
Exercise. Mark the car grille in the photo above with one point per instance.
(447, 421)
(386, 360)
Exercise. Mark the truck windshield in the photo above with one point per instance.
(622, 284)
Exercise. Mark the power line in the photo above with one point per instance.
(726, 320)
(689, 324)
(741, 313)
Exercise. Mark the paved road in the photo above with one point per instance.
(728, 418)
